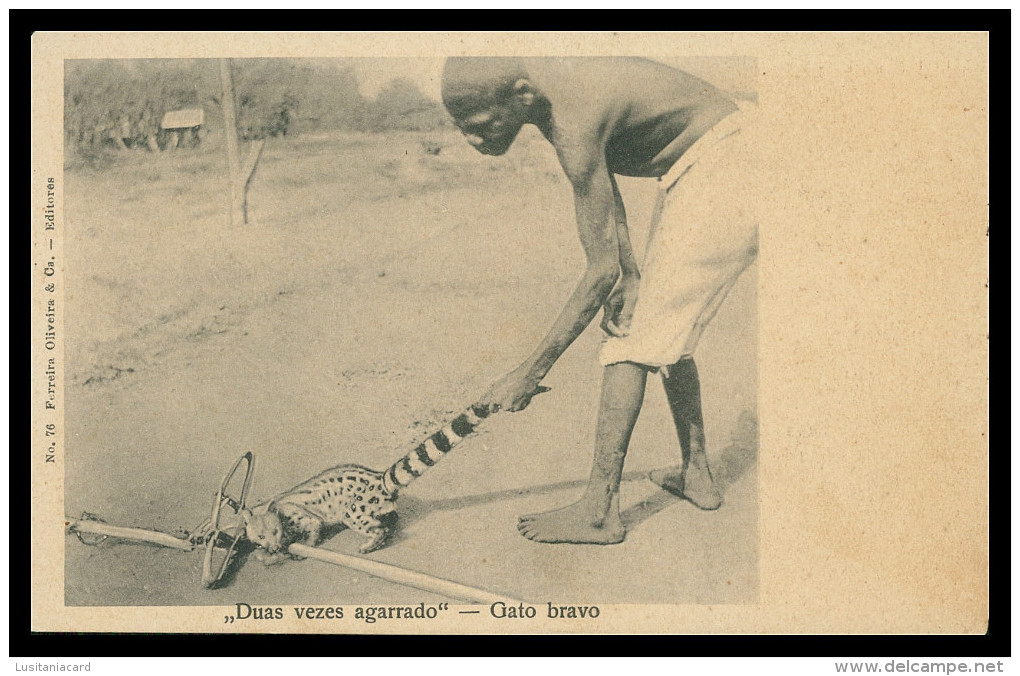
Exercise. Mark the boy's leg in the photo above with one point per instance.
(595, 518)
(692, 480)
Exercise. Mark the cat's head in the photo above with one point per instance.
(264, 528)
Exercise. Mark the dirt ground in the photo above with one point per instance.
(378, 290)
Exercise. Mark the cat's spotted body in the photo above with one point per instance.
(349, 496)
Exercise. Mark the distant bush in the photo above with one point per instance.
(114, 102)
(401, 105)
(268, 93)
(330, 100)
(120, 103)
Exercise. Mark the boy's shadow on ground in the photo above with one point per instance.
(734, 462)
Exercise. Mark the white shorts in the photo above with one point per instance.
(704, 233)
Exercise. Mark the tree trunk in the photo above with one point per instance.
(240, 175)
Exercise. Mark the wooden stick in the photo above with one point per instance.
(410, 578)
(100, 528)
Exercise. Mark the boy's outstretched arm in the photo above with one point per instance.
(594, 204)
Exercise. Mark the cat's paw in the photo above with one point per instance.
(377, 542)
(267, 559)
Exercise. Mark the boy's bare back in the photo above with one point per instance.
(642, 114)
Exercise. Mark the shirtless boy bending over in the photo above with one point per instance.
(632, 117)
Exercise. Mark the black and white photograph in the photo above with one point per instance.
(499, 334)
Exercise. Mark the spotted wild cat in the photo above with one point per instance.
(350, 496)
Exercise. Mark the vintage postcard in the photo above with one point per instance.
(510, 333)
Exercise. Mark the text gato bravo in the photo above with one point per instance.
(370, 614)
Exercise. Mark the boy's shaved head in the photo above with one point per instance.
(469, 82)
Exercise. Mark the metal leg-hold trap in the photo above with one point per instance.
(224, 533)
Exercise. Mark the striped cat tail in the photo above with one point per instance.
(432, 450)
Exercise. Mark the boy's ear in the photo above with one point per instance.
(524, 92)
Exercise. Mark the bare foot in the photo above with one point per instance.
(695, 484)
(578, 523)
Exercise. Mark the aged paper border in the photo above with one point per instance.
(873, 327)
